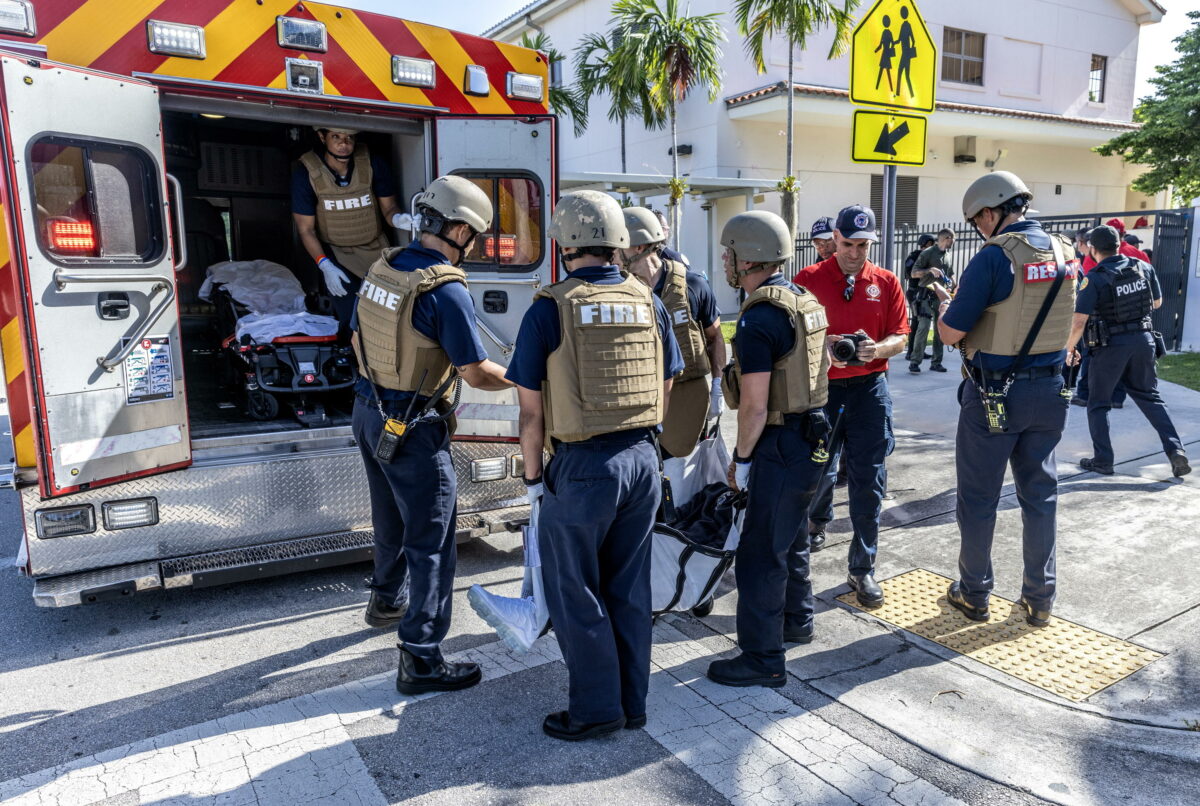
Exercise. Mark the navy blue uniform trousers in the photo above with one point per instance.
(597, 515)
(1127, 360)
(1082, 384)
(772, 557)
(1037, 413)
(865, 436)
(413, 509)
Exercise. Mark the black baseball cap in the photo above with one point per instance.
(857, 221)
(1104, 238)
(926, 239)
(1133, 240)
(822, 229)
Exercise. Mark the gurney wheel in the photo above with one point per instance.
(703, 609)
(260, 405)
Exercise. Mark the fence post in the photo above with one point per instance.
(1191, 311)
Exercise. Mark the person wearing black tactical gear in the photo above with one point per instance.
(930, 266)
(912, 291)
(414, 329)
(1011, 316)
(778, 383)
(1113, 311)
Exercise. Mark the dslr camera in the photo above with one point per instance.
(846, 348)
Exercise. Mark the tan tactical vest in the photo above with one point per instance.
(800, 379)
(1002, 328)
(607, 374)
(346, 216)
(397, 355)
(688, 331)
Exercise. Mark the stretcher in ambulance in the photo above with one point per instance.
(130, 167)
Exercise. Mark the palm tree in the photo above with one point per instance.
(595, 75)
(676, 53)
(795, 21)
(563, 100)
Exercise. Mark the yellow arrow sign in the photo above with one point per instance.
(893, 61)
(889, 138)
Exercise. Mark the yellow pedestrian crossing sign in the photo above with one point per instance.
(889, 138)
(893, 61)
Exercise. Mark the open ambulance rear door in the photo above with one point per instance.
(513, 160)
(91, 330)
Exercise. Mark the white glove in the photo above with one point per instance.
(534, 492)
(716, 401)
(406, 221)
(335, 278)
(741, 474)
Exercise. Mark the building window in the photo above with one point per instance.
(962, 57)
(1097, 79)
(906, 199)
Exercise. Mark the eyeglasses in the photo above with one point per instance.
(848, 294)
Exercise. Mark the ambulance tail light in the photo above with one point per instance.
(175, 39)
(130, 514)
(525, 86)
(71, 237)
(508, 247)
(16, 17)
(410, 72)
(65, 521)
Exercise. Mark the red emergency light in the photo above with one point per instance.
(75, 237)
(508, 247)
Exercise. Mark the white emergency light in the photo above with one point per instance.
(493, 469)
(411, 72)
(131, 513)
(291, 32)
(525, 86)
(475, 82)
(65, 521)
(16, 17)
(175, 39)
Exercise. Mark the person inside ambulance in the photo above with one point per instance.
(688, 298)
(593, 365)
(414, 330)
(339, 192)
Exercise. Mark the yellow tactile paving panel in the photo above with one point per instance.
(1066, 659)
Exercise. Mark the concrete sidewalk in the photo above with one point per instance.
(1125, 555)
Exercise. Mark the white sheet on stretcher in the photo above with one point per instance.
(274, 297)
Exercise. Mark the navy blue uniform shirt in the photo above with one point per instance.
(765, 333)
(670, 254)
(541, 333)
(987, 280)
(446, 314)
(701, 301)
(304, 198)
(1099, 279)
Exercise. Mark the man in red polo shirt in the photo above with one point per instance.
(1124, 248)
(864, 299)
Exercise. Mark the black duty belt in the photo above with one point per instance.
(1031, 374)
(1117, 328)
(856, 380)
(798, 420)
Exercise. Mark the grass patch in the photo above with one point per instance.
(1181, 368)
(727, 330)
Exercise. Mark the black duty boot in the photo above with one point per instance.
(938, 368)
(797, 632)
(635, 722)
(1179, 464)
(416, 676)
(816, 541)
(380, 614)
(914, 368)
(560, 726)
(1091, 464)
(740, 673)
(955, 597)
(866, 590)
(1034, 617)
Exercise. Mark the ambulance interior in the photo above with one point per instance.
(235, 176)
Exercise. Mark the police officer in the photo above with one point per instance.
(930, 265)
(1114, 305)
(338, 196)
(866, 300)
(912, 291)
(593, 365)
(1000, 293)
(778, 384)
(414, 327)
(688, 298)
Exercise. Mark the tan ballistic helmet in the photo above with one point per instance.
(757, 237)
(458, 199)
(337, 129)
(644, 226)
(993, 190)
(588, 218)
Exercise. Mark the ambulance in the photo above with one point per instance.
(147, 140)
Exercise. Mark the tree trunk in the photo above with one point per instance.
(788, 206)
(675, 175)
(624, 169)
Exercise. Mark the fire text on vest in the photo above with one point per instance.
(613, 313)
(348, 204)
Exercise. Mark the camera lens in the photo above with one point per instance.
(845, 350)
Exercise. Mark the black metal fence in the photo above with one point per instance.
(1170, 242)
